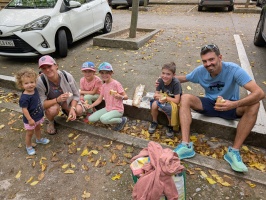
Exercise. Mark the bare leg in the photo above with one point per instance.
(28, 137)
(188, 102)
(246, 123)
(38, 132)
(154, 111)
(51, 112)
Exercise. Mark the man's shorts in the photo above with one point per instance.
(165, 107)
(208, 110)
(29, 127)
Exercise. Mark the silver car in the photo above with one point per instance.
(216, 3)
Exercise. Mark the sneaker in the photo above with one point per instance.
(120, 126)
(43, 141)
(169, 132)
(30, 151)
(86, 119)
(185, 150)
(235, 160)
(152, 127)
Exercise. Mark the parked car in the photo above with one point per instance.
(216, 3)
(30, 28)
(260, 33)
(260, 3)
(115, 3)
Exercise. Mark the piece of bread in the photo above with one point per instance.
(113, 92)
(220, 100)
(163, 98)
(69, 94)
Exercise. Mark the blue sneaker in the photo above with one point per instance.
(185, 151)
(120, 126)
(30, 151)
(43, 141)
(235, 160)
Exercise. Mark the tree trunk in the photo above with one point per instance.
(247, 3)
(134, 19)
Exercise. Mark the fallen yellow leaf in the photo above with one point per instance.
(65, 166)
(34, 183)
(94, 152)
(210, 180)
(29, 180)
(86, 195)
(251, 184)
(18, 174)
(116, 177)
(41, 176)
(69, 171)
(203, 174)
(85, 152)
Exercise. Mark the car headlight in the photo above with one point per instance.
(37, 24)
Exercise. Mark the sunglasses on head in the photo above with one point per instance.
(209, 47)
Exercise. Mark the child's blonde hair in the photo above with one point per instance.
(25, 72)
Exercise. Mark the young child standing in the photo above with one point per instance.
(90, 85)
(166, 99)
(113, 94)
(31, 107)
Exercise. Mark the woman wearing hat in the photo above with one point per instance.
(57, 90)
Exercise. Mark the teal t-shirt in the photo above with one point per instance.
(226, 84)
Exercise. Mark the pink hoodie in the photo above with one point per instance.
(157, 179)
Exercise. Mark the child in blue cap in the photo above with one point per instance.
(113, 94)
(90, 85)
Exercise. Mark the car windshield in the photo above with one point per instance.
(20, 4)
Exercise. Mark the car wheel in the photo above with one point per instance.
(61, 43)
(231, 8)
(114, 6)
(258, 39)
(107, 24)
(200, 8)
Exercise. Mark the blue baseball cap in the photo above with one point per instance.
(105, 66)
(88, 66)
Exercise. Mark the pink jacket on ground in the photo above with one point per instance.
(157, 179)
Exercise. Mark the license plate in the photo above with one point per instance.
(7, 43)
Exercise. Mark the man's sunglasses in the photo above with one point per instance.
(209, 47)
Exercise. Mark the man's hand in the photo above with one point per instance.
(225, 106)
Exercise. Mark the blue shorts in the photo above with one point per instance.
(208, 110)
(165, 107)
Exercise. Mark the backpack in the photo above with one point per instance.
(45, 82)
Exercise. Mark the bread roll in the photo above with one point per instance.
(113, 92)
(220, 100)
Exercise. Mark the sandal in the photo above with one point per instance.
(51, 130)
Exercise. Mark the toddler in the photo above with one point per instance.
(31, 107)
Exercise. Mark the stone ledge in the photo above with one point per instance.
(112, 39)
